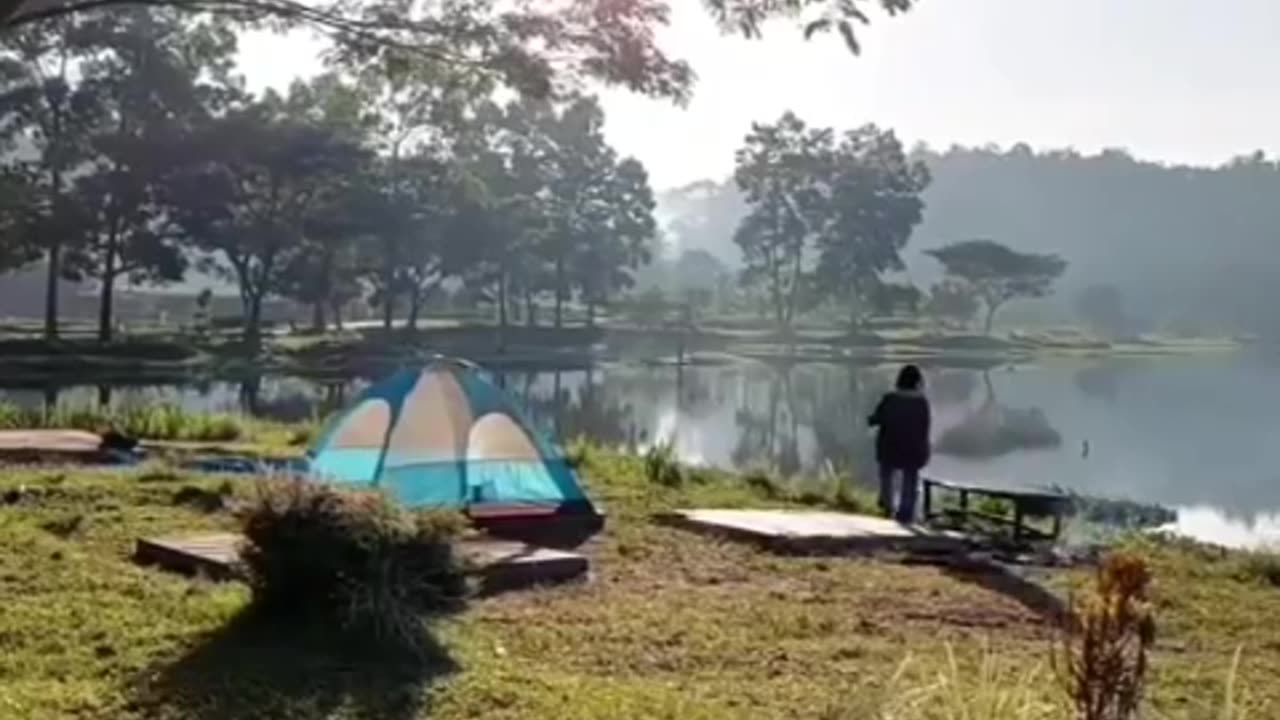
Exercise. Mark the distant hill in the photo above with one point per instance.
(1192, 245)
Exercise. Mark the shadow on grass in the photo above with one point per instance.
(1018, 584)
(256, 667)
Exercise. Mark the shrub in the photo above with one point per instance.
(577, 452)
(1259, 566)
(155, 422)
(1102, 659)
(661, 465)
(764, 483)
(354, 559)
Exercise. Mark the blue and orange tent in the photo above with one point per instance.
(444, 436)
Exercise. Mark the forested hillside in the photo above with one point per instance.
(1187, 246)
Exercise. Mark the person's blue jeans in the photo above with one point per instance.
(905, 512)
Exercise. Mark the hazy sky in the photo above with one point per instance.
(1176, 80)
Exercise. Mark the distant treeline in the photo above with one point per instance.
(1188, 248)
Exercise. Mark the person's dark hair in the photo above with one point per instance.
(910, 378)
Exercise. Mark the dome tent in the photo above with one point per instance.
(443, 436)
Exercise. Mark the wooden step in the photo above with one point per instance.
(497, 565)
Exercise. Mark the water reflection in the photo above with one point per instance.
(1261, 531)
(993, 430)
(1196, 433)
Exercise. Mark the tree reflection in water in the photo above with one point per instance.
(1102, 381)
(994, 430)
(820, 406)
(585, 409)
(767, 432)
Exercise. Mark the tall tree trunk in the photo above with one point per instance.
(54, 262)
(388, 307)
(502, 312)
(108, 282)
(559, 293)
(991, 317)
(775, 290)
(105, 300)
(557, 407)
(415, 305)
(502, 301)
(318, 321)
(253, 322)
(336, 307)
(250, 389)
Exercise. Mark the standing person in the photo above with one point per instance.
(902, 443)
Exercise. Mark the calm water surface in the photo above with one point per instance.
(1198, 434)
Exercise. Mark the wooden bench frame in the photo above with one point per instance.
(1057, 504)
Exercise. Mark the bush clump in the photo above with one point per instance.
(154, 422)
(354, 559)
(1260, 566)
(662, 465)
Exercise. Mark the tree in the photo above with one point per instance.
(888, 298)
(827, 216)
(604, 39)
(43, 105)
(420, 109)
(406, 211)
(505, 218)
(952, 300)
(617, 231)
(814, 16)
(255, 177)
(16, 250)
(535, 47)
(598, 209)
(782, 170)
(1102, 308)
(874, 206)
(326, 275)
(154, 75)
(999, 274)
(697, 269)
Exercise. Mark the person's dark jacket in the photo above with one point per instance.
(903, 439)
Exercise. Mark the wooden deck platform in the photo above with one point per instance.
(497, 565)
(816, 532)
(1026, 504)
(50, 445)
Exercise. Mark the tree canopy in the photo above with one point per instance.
(537, 47)
(133, 152)
(999, 274)
(827, 215)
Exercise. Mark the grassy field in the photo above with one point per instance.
(674, 625)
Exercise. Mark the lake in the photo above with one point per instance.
(1200, 434)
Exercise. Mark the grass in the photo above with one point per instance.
(159, 422)
(674, 625)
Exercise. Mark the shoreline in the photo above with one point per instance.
(34, 362)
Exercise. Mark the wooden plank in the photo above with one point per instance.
(497, 565)
(213, 555)
(502, 566)
(51, 440)
(40, 445)
(817, 532)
